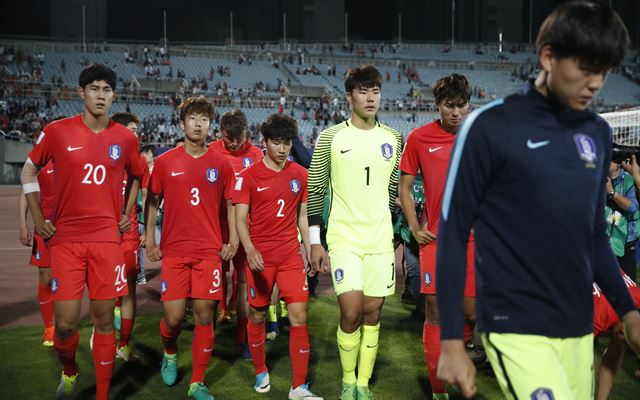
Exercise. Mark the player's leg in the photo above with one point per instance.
(242, 305)
(104, 344)
(272, 315)
(609, 365)
(260, 286)
(141, 279)
(128, 302)
(224, 315)
(46, 304)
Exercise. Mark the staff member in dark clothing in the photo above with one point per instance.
(528, 173)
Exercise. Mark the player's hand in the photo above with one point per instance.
(631, 322)
(455, 367)
(154, 253)
(142, 240)
(631, 166)
(609, 185)
(125, 224)
(254, 258)
(228, 251)
(25, 236)
(319, 258)
(423, 236)
(46, 229)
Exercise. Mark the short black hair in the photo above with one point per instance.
(125, 118)
(178, 141)
(365, 76)
(234, 122)
(148, 148)
(279, 127)
(452, 87)
(589, 31)
(97, 72)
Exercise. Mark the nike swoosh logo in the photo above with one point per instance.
(49, 171)
(212, 291)
(106, 362)
(176, 173)
(432, 149)
(303, 351)
(121, 287)
(261, 189)
(209, 350)
(265, 386)
(345, 151)
(73, 148)
(390, 286)
(535, 145)
(372, 347)
(257, 344)
(44, 302)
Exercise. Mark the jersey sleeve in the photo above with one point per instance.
(229, 177)
(43, 151)
(410, 161)
(305, 187)
(156, 184)
(395, 173)
(242, 192)
(133, 166)
(319, 177)
(146, 175)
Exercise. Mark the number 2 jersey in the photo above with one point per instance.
(194, 189)
(89, 166)
(273, 198)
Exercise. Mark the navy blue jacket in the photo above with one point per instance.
(529, 177)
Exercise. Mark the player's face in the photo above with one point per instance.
(364, 102)
(133, 127)
(97, 97)
(573, 83)
(196, 127)
(278, 149)
(452, 112)
(233, 143)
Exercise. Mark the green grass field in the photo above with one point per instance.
(30, 371)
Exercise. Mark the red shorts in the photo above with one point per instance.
(191, 277)
(290, 277)
(40, 252)
(99, 265)
(131, 254)
(428, 269)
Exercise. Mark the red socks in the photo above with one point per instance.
(126, 327)
(299, 353)
(46, 305)
(104, 355)
(66, 350)
(431, 343)
(257, 337)
(201, 348)
(241, 330)
(468, 332)
(169, 337)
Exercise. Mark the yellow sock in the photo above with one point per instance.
(348, 347)
(283, 309)
(272, 315)
(368, 352)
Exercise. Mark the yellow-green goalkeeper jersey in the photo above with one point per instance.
(362, 169)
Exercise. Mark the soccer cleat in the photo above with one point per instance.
(141, 279)
(245, 353)
(440, 396)
(93, 331)
(116, 318)
(224, 317)
(199, 391)
(302, 392)
(47, 336)
(364, 393)
(272, 330)
(126, 353)
(263, 384)
(66, 386)
(169, 368)
(348, 392)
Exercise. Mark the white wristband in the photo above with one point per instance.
(314, 234)
(31, 187)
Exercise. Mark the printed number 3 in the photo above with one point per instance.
(196, 196)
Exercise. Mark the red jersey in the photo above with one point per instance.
(134, 233)
(194, 189)
(87, 202)
(604, 317)
(273, 198)
(45, 181)
(242, 158)
(428, 150)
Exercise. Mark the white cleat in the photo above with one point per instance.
(263, 384)
(302, 392)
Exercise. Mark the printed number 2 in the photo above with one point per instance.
(367, 170)
(195, 192)
(281, 203)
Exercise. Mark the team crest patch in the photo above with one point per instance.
(164, 286)
(387, 151)
(586, 149)
(542, 394)
(54, 285)
(252, 292)
(339, 275)
(427, 278)
(295, 185)
(246, 162)
(212, 175)
(38, 256)
(114, 152)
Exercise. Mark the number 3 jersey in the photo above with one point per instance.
(361, 166)
(193, 190)
(87, 200)
(273, 198)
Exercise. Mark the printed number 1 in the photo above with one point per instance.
(367, 169)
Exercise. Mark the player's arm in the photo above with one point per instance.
(130, 195)
(318, 183)
(25, 232)
(229, 249)
(421, 235)
(303, 228)
(150, 214)
(254, 258)
(395, 174)
(143, 233)
(31, 190)
(627, 203)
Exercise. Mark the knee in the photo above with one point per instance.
(372, 317)
(257, 316)
(298, 318)
(203, 317)
(172, 321)
(351, 319)
(64, 330)
(45, 276)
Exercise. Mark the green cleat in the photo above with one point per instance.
(66, 386)
(199, 391)
(364, 393)
(348, 392)
(169, 368)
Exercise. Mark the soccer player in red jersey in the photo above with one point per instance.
(195, 182)
(428, 150)
(91, 154)
(131, 242)
(242, 154)
(274, 193)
